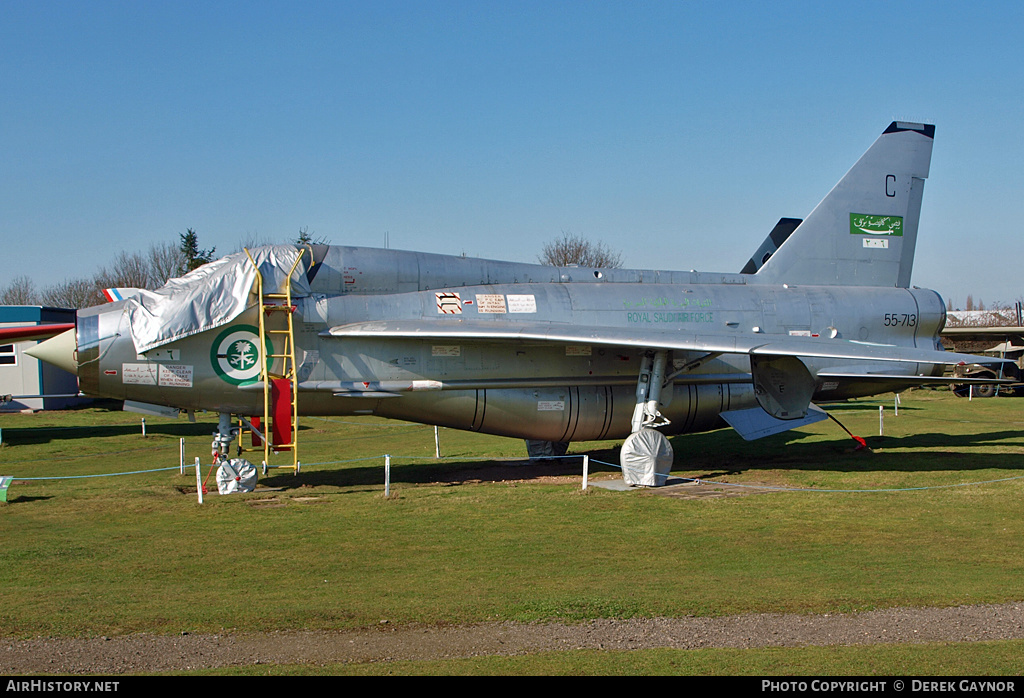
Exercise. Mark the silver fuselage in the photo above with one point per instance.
(570, 391)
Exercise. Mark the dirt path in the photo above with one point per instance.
(153, 653)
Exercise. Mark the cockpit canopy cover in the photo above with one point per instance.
(212, 295)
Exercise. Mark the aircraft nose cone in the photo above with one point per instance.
(59, 351)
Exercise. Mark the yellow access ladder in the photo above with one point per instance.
(282, 385)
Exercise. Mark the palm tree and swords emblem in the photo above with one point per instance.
(236, 354)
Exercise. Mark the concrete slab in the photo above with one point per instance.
(682, 488)
(621, 486)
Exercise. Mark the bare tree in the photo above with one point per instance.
(572, 249)
(252, 240)
(129, 270)
(21, 291)
(73, 293)
(165, 260)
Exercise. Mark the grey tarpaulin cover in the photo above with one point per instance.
(236, 475)
(646, 458)
(212, 295)
(540, 450)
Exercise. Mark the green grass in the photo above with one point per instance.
(137, 553)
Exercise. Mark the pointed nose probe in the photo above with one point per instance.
(59, 351)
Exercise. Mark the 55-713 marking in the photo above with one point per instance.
(900, 320)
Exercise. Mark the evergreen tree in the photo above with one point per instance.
(305, 238)
(193, 256)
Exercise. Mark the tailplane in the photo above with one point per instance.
(865, 231)
(780, 233)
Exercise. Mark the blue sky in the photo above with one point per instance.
(676, 132)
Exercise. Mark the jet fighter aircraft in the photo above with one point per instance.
(824, 311)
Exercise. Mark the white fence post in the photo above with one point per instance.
(199, 481)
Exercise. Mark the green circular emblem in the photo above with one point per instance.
(235, 354)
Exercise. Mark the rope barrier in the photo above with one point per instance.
(452, 458)
(890, 489)
(192, 465)
(822, 490)
(87, 455)
(777, 488)
(78, 477)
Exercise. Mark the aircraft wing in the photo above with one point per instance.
(29, 333)
(1014, 335)
(895, 383)
(881, 378)
(749, 343)
(983, 331)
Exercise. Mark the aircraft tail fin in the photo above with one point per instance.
(863, 233)
(113, 295)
